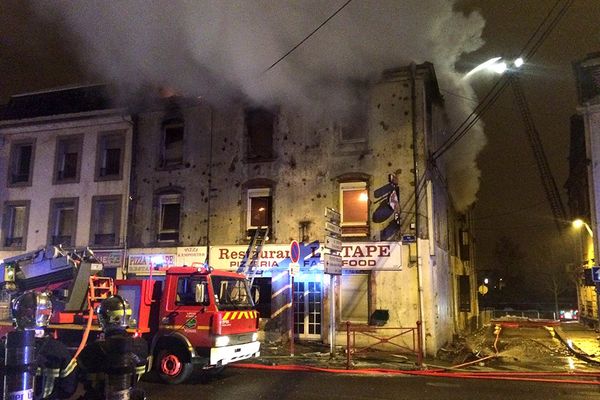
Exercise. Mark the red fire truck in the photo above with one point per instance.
(193, 317)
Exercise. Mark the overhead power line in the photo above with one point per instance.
(528, 51)
(307, 37)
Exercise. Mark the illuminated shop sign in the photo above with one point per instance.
(191, 255)
(384, 256)
(159, 260)
(271, 256)
(109, 259)
(142, 264)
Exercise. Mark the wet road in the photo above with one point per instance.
(237, 383)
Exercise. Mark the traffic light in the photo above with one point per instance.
(388, 197)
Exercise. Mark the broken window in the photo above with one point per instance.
(109, 161)
(354, 208)
(21, 163)
(63, 226)
(14, 226)
(172, 151)
(106, 220)
(169, 217)
(260, 125)
(68, 159)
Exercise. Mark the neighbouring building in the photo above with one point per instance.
(65, 158)
(183, 182)
(584, 179)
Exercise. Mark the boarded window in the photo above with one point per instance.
(355, 298)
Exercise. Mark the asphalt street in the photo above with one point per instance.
(239, 383)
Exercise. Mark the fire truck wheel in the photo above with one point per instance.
(171, 368)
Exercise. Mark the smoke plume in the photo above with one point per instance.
(220, 49)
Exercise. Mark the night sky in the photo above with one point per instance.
(42, 48)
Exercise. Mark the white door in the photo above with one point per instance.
(308, 294)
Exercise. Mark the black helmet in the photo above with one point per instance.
(114, 313)
(31, 310)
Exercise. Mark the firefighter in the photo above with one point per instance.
(111, 367)
(54, 377)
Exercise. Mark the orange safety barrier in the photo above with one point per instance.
(390, 336)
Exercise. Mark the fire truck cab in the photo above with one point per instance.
(195, 317)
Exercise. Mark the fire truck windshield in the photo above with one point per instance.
(231, 293)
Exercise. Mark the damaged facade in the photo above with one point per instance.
(583, 183)
(205, 178)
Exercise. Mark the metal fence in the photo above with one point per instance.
(532, 314)
(374, 338)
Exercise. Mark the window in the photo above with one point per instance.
(259, 208)
(109, 159)
(464, 245)
(354, 207)
(464, 290)
(169, 217)
(14, 225)
(21, 163)
(172, 151)
(106, 220)
(186, 290)
(63, 221)
(354, 293)
(68, 159)
(259, 128)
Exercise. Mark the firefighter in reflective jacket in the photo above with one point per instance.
(54, 377)
(111, 367)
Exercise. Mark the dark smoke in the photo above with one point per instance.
(219, 49)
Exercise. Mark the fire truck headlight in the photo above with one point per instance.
(255, 336)
(221, 341)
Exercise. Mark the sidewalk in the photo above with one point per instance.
(314, 354)
(581, 340)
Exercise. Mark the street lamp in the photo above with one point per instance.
(496, 65)
(578, 223)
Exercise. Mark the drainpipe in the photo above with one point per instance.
(134, 122)
(413, 90)
(210, 168)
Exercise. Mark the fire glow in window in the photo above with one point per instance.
(354, 199)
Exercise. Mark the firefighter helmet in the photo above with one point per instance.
(31, 310)
(114, 313)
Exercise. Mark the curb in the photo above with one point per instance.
(579, 354)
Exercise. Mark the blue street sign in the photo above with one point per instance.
(596, 274)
